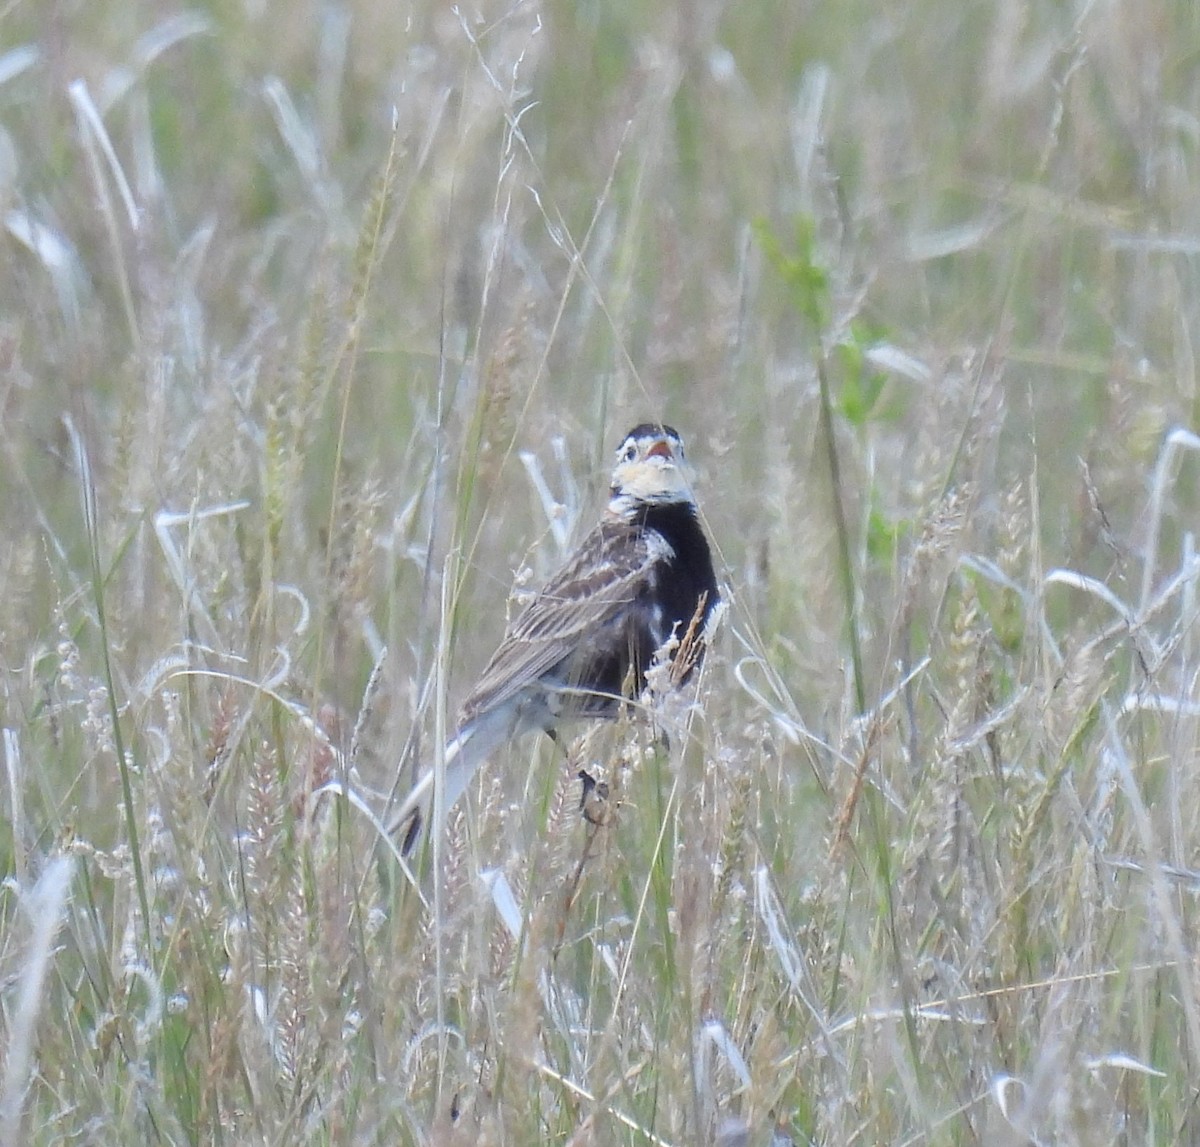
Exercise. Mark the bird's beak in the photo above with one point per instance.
(660, 449)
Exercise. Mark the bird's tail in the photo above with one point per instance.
(464, 754)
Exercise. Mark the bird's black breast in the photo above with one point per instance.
(666, 602)
(683, 576)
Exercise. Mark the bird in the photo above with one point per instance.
(583, 644)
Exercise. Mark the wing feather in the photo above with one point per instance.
(608, 573)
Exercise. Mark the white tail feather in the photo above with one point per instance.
(465, 754)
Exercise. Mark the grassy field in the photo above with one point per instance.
(318, 326)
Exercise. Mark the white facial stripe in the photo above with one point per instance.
(650, 469)
(650, 446)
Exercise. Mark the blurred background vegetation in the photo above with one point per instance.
(300, 304)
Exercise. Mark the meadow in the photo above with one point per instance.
(319, 324)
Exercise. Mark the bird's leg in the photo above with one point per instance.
(593, 800)
(594, 804)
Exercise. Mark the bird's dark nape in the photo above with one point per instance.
(646, 429)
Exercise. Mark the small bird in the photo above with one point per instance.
(642, 576)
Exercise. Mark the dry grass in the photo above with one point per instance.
(320, 322)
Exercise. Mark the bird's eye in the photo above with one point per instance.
(629, 453)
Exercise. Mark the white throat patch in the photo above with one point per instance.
(650, 470)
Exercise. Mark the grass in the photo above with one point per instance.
(317, 328)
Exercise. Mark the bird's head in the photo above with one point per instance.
(650, 470)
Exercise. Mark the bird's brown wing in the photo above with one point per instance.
(603, 578)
